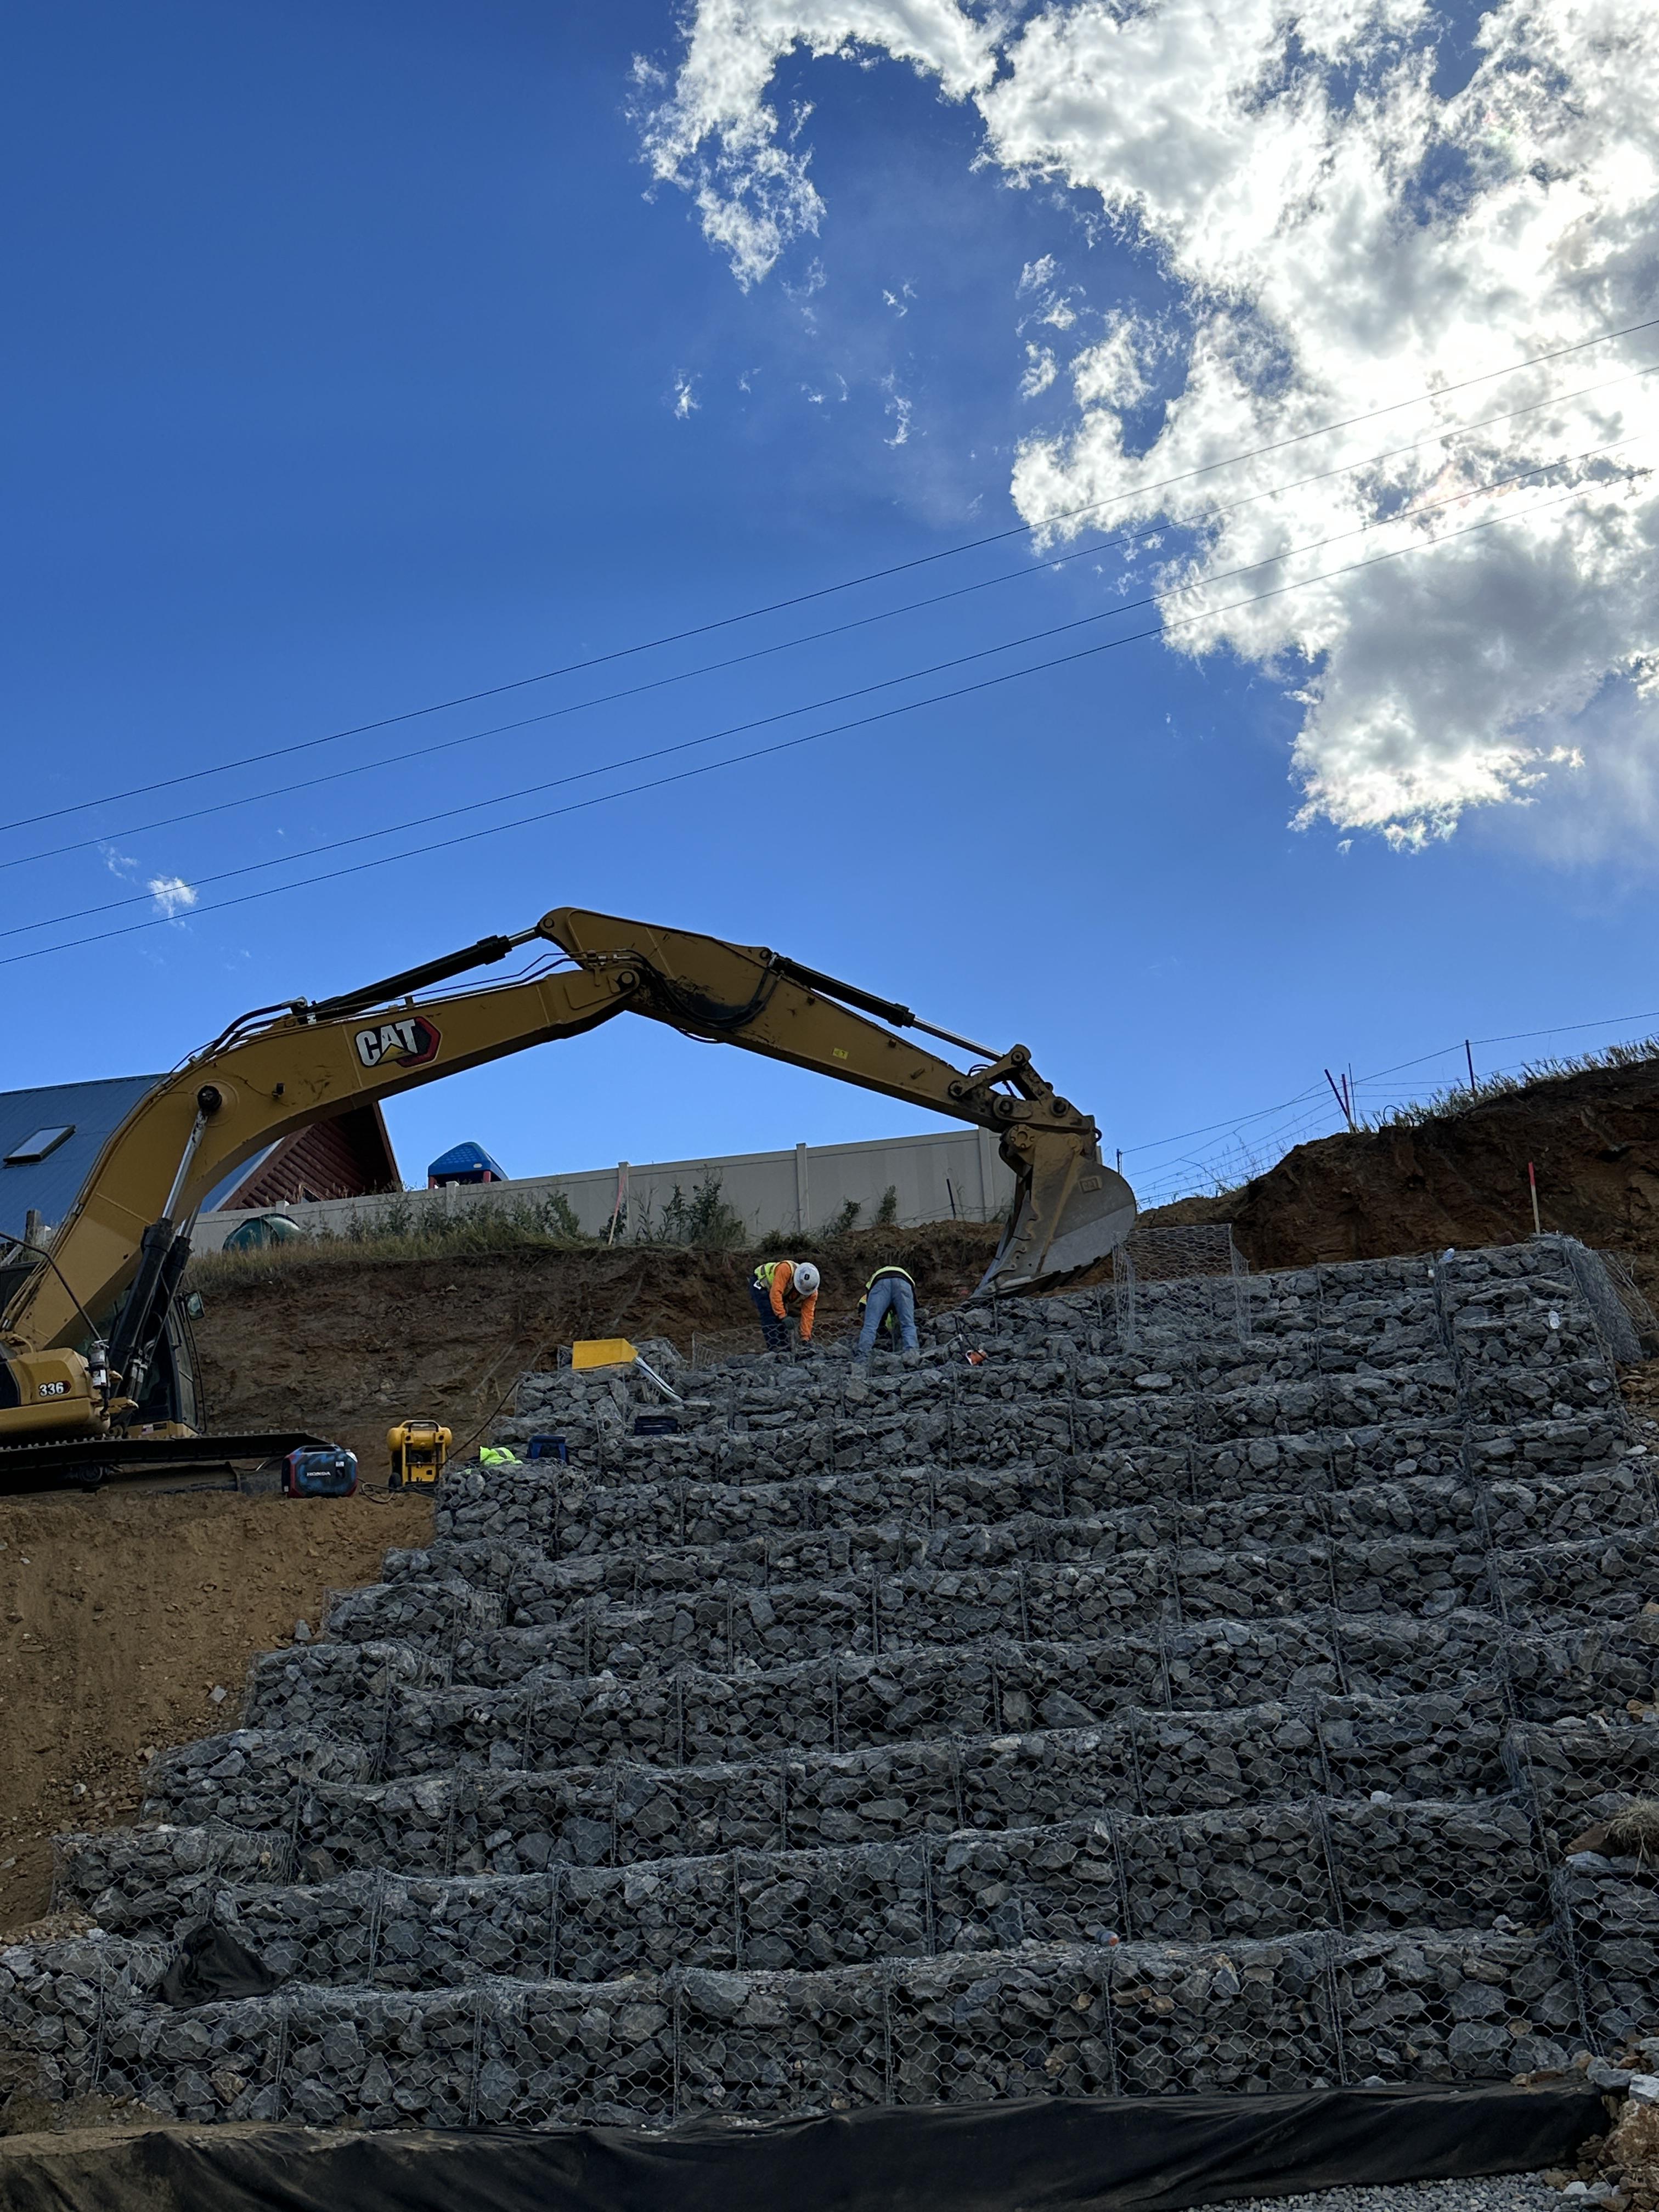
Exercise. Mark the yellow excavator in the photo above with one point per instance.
(95, 1380)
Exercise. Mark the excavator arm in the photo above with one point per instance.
(79, 1334)
(1070, 1210)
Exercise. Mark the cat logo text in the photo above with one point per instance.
(409, 1042)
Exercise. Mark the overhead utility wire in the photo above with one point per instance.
(1185, 1136)
(791, 744)
(1314, 1091)
(1511, 1036)
(1200, 519)
(860, 691)
(866, 691)
(828, 591)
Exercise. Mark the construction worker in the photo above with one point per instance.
(774, 1282)
(889, 1301)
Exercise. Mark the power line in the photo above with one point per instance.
(860, 691)
(825, 591)
(1201, 1164)
(1202, 517)
(811, 736)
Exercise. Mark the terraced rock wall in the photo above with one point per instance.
(1212, 1689)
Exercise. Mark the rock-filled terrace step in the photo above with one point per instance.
(1255, 1870)
(567, 1516)
(800, 1540)
(294, 1826)
(1079, 2019)
(1372, 1549)
(1602, 1578)
(285, 1796)
(384, 1694)
(966, 1429)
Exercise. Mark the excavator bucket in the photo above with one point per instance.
(1069, 1210)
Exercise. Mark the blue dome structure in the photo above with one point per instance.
(463, 1163)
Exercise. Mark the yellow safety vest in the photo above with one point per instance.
(765, 1272)
(880, 1272)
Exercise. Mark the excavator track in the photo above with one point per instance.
(150, 1464)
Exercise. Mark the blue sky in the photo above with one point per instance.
(350, 366)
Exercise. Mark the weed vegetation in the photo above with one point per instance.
(421, 1225)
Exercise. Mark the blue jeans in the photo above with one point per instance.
(773, 1328)
(890, 1291)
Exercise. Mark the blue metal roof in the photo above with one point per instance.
(91, 1109)
(466, 1158)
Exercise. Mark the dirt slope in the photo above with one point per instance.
(119, 1616)
(1461, 1179)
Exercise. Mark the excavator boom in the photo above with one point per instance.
(79, 1338)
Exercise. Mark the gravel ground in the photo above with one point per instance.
(1510, 2192)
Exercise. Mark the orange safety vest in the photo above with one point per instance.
(767, 1276)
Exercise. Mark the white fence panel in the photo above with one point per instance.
(947, 1174)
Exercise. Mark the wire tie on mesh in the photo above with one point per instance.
(1170, 1573)
(276, 2051)
(1337, 1659)
(1164, 1665)
(383, 1745)
(928, 1920)
(478, 2002)
(1315, 1721)
(1110, 1967)
(1333, 2007)
(554, 1917)
(1318, 1813)
(1563, 1938)
(100, 2026)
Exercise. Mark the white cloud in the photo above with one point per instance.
(900, 409)
(1337, 238)
(172, 894)
(1041, 370)
(686, 401)
(716, 137)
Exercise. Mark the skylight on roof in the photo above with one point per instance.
(37, 1147)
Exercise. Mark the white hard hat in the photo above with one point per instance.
(806, 1278)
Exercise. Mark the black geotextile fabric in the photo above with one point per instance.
(212, 1965)
(1107, 2155)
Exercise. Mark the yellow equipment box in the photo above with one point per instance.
(603, 1352)
(419, 1450)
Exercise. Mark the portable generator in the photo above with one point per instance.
(324, 1472)
(418, 1450)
